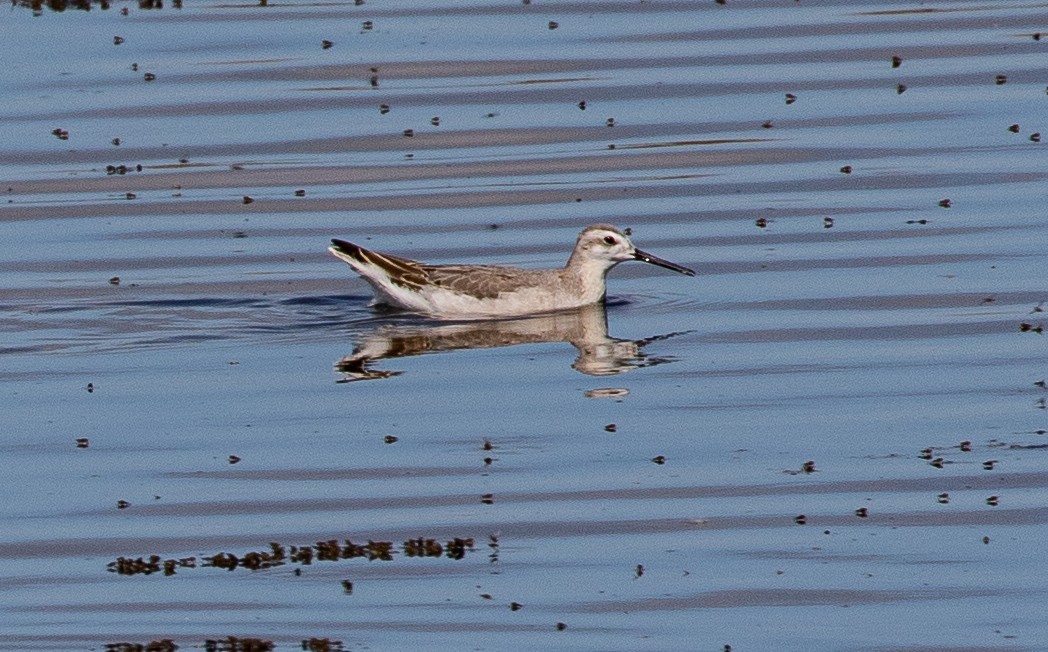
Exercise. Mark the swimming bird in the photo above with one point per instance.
(492, 291)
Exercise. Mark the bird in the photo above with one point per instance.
(463, 292)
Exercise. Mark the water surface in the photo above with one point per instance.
(832, 438)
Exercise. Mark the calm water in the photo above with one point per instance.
(833, 438)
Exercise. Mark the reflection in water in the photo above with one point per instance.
(586, 329)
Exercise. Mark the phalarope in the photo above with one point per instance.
(491, 291)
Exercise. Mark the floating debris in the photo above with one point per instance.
(163, 645)
(607, 392)
(280, 555)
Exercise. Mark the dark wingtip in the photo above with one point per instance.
(344, 247)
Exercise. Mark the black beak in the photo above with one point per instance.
(655, 260)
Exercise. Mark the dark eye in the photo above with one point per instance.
(609, 240)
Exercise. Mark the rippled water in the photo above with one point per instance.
(832, 438)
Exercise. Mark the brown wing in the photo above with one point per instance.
(480, 281)
(402, 271)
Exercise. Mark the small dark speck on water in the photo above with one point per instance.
(1013, 128)
(389, 439)
(82, 442)
(300, 193)
(114, 280)
(326, 44)
(847, 169)
(790, 98)
(488, 499)
(659, 459)
(611, 427)
(945, 203)
(561, 627)
(233, 459)
(553, 24)
(117, 40)
(247, 200)
(1035, 137)
(149, 76)
(90, 388)
(896, 61)
(122, 504)
(800, 519)
(1001, 79)
(862, 512)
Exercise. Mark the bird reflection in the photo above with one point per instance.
(585, 328)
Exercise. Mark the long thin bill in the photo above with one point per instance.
(655, 260)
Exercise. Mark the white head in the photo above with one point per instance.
(605, 246)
